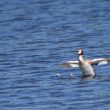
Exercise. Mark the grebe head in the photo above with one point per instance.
(80, 52)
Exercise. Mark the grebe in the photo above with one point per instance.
(85, 65)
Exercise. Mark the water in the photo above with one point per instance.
(38, 35)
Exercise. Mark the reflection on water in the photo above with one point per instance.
(37, 36)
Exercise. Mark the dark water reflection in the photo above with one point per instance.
(37, 36)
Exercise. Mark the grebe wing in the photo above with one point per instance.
(70, 64)
(100, 61)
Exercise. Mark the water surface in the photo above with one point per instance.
(37, 36)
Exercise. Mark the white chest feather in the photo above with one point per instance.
(87, 69)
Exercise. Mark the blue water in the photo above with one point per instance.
(38, 35)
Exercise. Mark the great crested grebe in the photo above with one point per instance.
(85, 65)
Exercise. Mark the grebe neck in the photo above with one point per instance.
(81, 58)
